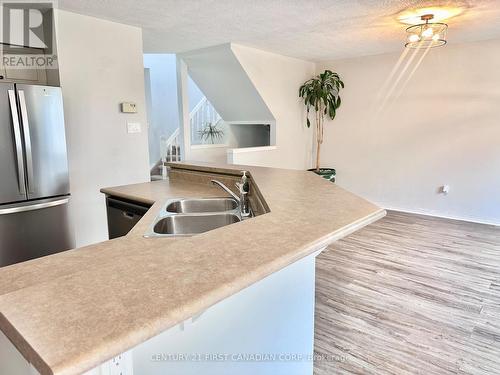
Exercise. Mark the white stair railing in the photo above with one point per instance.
(203, 113)
(169, 148)
(172, 140)
(169, 151)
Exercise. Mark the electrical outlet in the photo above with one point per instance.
(120, 365)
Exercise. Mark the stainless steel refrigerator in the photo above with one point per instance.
(34, 184)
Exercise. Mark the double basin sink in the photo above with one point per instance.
(190, 216)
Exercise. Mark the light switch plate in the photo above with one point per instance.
(133, 127)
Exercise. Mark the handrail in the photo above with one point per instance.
(172, 138)
(197, 107)
(196, 118)
(202, 113)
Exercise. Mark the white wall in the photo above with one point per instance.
(101, 65)
(443, 129)
(220, 76)
(162, 99)
(277, 79)
(164, 111)
(209, 154)
(194, 94)
(248, 135)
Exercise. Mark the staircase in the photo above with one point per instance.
(202, 113)
(170, 151)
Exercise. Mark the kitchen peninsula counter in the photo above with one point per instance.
(70, 312)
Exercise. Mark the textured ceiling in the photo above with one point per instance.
(308, 29)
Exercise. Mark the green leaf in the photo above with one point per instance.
(332, 112)
(322, 92)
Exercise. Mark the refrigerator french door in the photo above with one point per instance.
(34, 183)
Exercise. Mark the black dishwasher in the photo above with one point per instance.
(123, 214)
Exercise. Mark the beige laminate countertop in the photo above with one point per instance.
(69, 312)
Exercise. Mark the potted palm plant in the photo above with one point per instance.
(321, 94)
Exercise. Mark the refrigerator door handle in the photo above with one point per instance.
(18, 141)
(27, 140)
(32, 207)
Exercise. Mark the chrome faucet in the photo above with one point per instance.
(243, 188)
(226, 189)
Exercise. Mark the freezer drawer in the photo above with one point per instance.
(123, 215)
(34, 229)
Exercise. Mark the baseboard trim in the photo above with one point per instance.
(433, 214)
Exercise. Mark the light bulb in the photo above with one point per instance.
(413, 38)
(427, 33)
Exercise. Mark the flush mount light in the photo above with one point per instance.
(413, 16)
(427, 34)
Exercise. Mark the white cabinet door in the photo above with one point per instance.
(35, 75)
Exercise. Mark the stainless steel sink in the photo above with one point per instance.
(192, 205)
(190, 216)
(179, 225)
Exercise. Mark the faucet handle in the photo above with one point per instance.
(240, 187)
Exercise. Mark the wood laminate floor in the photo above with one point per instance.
(410, 294)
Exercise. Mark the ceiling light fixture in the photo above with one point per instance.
(426, 35)
(413, 16)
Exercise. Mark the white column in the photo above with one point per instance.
(183, 103)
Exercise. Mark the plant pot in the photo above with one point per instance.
(326, 173)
